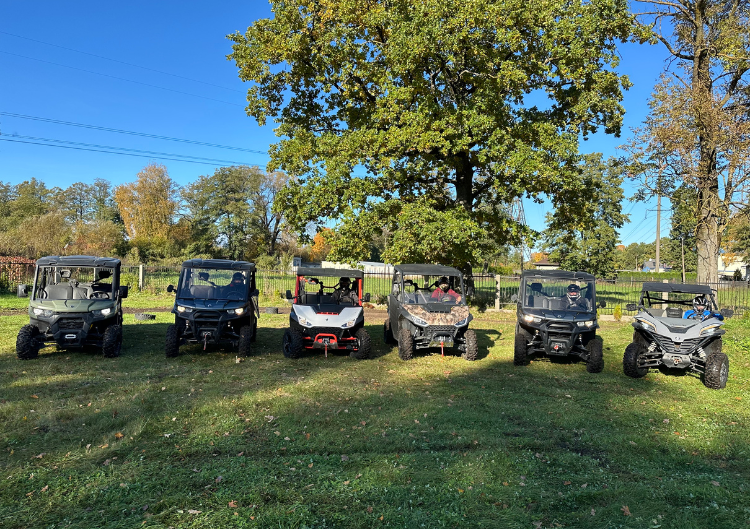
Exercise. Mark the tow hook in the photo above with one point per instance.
(205, 339)
(442, 344)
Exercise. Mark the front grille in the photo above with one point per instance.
(440, 329)
(70, 323)
(325, 330)
(686, 347)
(560, 327)
(206, 319)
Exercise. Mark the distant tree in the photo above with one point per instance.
(436, 101)
(148, 207)
(320, 247)
(51, 233)
(583, 234)
(98, 237)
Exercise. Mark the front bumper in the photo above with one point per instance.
(555, 338)
(73, 329)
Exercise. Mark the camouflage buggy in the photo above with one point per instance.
(75, 301)
(427, 309)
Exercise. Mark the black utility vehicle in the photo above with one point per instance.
(327, 316)
(678, 327)
(427, 308)
(216, 303)
(556, 313)
(75, 301)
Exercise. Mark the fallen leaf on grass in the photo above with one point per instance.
(347, 482)
(193, 511)
(40, 455)
(232, 504)
(715, 483)
(119, 436)
(107, 462)
(105, 445)
(505, 483)
(44, 489)
(566, 482)
(666, 421)
(584, 485)
(34, 397)
(625, 510)
(310, 465)
(369, 509)
(344, 457)
(218, 480)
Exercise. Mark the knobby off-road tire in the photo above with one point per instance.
(388, 332)
(520, 346)
(595, 347)
(717, 366)
(244, 348)
(112, 341)
(172, 343)
(363, 345)
(471, 349)
(293, 344)
(27, 347)
(405, 344)
(630, 361)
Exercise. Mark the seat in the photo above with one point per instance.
(62, 291)
(202, 291)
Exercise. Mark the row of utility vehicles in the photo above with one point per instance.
(77, 301)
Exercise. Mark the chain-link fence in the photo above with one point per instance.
(487, 290)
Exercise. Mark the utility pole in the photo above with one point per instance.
(682, 243)
(658, 229)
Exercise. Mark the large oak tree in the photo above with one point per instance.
(425, 119)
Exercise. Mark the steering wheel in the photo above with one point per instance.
(99, 295)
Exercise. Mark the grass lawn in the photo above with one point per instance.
(204, 441)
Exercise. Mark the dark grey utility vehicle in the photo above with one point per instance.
(75, 301)
(556, 313)
(427, 308)
(678, 327)
(216, 303)
(327, 313)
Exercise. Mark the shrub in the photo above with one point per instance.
(381, 299)
(617, 313)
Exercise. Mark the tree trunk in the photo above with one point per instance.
(464, 181)
(707, 241)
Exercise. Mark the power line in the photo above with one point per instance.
(121, 62)
(132, 133)
(120, 78)
(118, 150)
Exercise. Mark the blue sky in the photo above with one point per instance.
(178, 84)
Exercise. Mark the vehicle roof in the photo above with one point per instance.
(329, 272)
(677, 288)
(558, 274)
(427, 270)
(79, 260)
(219, 264)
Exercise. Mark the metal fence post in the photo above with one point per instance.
(141, 277)
(497, 292)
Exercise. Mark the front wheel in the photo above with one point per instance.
(595, 362)
(27, 346)
(717, 371)
(293, 344)
(630, 361)
(520, 346)
(471, 350)
(405, 344)
(112, 341)
(363, 345)
(246, 337)
(172, 344)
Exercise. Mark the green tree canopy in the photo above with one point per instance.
(450, 108)
(586, 239)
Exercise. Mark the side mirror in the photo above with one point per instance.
(602, 304)
(170, 288)
(22, 291)
(123, 292)
(514, 298)
(367, 297)
(631, 306)
(289, 294)
(727, 313)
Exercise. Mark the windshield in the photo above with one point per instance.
(675, 304)
(433, 289)
(207, 283)
(73, 282)
(558, 294)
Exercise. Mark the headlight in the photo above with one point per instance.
(103, 312)
(44, 312)
(302, 321)
(528, 318)
(709, 329)
(418, 321)
(588, 324)
(349, 323)
(462, 322)
(180, 308)
(236, 311)
(646, 324)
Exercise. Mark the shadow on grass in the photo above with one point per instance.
(334, 442)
